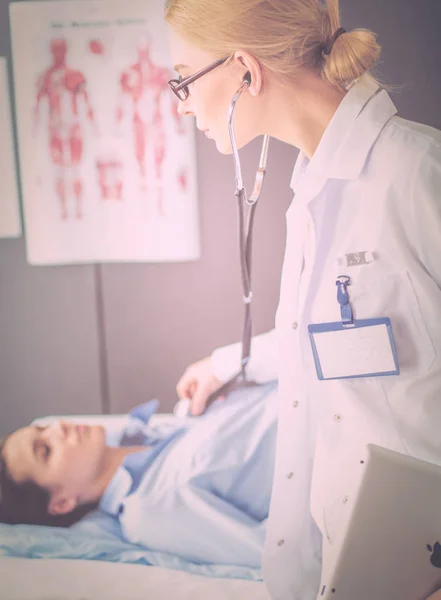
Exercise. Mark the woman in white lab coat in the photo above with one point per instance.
(367, 205)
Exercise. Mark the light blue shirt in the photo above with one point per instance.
(201, 491)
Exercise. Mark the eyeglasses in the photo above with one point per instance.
(180, 86)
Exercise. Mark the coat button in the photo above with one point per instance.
(345, 499)
(295, 403)
(290, 475)
(280, 542)
(337, 418)
(295, 325)
(121, 509)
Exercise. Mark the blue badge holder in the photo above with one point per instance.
(323, 327)
(348, 322)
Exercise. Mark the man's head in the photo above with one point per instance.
(51, 475)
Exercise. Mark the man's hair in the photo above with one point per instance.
(28, 502)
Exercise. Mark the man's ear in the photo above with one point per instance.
(62, 505)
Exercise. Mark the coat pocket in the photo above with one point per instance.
(393, 296)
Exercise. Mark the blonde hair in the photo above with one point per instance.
(285, 36)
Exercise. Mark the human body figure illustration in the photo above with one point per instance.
(144, 83)
(64, 88)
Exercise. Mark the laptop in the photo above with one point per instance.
(391, 549)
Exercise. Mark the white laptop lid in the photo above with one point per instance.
(392, 547)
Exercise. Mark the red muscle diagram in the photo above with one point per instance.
(145, 84)
(110, 178)
(64, 89)
(96, 47)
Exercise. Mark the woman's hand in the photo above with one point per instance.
(196, 384)
(435, 596)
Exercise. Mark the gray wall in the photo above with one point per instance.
(90, 339)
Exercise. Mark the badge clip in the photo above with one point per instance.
(342, 283)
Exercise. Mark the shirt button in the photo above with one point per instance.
(337, 418)
(295, 403)
(295, 325)
(290, 475)
(280, 542)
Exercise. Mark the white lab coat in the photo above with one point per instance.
(374, 185)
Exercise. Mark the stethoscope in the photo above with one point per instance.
(245, 244)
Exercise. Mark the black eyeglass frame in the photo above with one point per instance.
(181, 85)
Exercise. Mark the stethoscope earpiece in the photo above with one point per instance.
(247, 78)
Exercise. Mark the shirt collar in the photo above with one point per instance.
(116, 492)
(128, 476)
(349, 136)
(144, 411)
(136, 433)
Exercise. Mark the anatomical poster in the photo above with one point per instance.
(107, 164)
(10, 225)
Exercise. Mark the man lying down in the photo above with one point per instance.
(200, 489)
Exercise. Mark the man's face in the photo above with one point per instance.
(64, 458)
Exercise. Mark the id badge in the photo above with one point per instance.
(350, 348)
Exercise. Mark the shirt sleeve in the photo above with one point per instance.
(196, 525)
(262, 366)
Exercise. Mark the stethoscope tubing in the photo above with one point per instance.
(245, 243)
